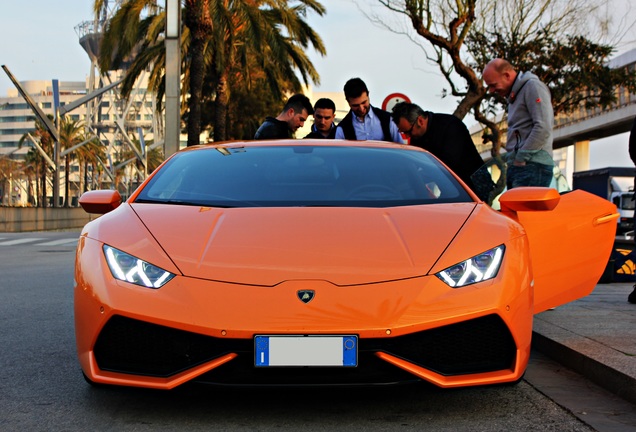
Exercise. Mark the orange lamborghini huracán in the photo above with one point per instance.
(324, 262)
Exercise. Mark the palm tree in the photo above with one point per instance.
(46, 142)
(11, 171)
(31, 169)
(269, 36)
(89, 155)
(197, 18)
(217, 38)
(131, 166)
(35, 160)
(71, 134)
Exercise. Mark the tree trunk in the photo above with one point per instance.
(37, 185)
(85, 177)
(468, 102)
(220, 108)
(43, 182)
(67, 181)
(198, 20)
(197, 68)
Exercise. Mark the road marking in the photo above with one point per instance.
(20, 241)
(59, 242)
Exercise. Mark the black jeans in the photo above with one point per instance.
(532, 174)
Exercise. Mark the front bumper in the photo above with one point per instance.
(408, 330)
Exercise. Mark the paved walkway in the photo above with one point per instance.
(594, 336)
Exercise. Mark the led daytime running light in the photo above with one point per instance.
(476, 269)
(126, 267)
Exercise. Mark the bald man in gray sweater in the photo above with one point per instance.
(530, 123)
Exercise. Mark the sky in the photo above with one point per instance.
(40, 43)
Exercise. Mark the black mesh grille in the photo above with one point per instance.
(136, 347)
(479, 345)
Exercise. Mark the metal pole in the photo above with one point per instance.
(173, 77)
(56, 148)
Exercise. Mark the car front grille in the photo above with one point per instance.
(136, 347)
(475, 346)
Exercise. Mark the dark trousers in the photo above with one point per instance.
(532, 174)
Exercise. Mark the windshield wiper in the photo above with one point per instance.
(173, 201)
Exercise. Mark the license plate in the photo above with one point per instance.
(318, 350)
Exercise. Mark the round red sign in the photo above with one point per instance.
(392, 99)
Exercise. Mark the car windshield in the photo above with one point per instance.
(303, 175)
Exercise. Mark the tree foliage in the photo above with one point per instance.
(219, 37)
(547, 37)
(550, 38)
(44, 138)
(574, 67)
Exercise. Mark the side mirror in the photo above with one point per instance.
(529, 199)
(100, 201)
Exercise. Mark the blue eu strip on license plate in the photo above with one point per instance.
(318, 350)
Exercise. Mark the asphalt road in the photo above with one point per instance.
(42, 389)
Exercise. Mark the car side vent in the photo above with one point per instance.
(136, 347)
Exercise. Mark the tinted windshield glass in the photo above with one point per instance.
(303, 176)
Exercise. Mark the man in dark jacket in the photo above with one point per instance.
(444, 135)
(324, 115)
(292, 117)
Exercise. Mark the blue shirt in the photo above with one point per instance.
(370, 128)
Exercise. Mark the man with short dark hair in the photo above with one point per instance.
(445, 136)
(365, 122)
(324, 115)
(293, 116)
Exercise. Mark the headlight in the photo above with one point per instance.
(127, 268)
(476, 269)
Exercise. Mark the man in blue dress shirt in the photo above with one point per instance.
(365, 122)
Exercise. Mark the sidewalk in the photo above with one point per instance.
(594, 336)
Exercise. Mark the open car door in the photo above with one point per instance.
(571, 237)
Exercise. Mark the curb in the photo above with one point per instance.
(603, 375)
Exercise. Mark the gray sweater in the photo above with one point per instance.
(530, 121)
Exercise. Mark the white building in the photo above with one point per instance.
(115, 121)
(16, 118)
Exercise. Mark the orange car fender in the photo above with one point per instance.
(126, 232)
(484, 230)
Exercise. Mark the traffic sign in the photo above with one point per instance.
(391, 100)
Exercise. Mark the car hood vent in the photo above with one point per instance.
(267, 246)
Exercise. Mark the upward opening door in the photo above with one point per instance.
(569, 245)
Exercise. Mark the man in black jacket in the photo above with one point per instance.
(444, 135)
(292, 117)
(324, 115)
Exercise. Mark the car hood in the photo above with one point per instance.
(267, 246)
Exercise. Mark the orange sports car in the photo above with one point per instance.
(324, 262)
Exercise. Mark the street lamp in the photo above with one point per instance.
(173, 77)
